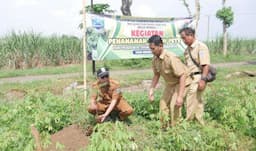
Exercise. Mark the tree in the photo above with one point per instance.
(125, 8)
(226, 15)
(197, 13)
(185, 3)
(99, 9)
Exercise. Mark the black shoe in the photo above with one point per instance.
(114, 115)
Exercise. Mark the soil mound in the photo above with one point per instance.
(71, 138)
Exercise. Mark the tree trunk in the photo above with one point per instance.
(187, 7)
(225, 40)
(223, 2)
(197, 14)
(125, 8)
(225, 34)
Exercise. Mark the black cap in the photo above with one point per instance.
(102, 72)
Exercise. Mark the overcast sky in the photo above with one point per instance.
(62, 16)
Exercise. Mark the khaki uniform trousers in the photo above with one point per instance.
(122, 107)
(168, 107)
(194, 102)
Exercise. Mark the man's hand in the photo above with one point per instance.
(201, 85)
(151, 94)
(179, 101)
(101, 118)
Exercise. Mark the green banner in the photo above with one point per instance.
(122, 37)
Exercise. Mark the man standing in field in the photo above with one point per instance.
(106, 97)
(174, 72)
(200, 53)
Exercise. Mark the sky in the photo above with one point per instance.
(62, 16)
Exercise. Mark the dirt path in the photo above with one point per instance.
(22, 79)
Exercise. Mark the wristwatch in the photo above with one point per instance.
(204, 78)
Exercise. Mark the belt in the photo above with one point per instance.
(195, 73)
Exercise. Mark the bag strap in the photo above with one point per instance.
(193, 60)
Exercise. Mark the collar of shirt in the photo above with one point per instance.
(103, 84)
(162, 55)
(193, 44)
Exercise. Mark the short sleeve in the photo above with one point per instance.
(116, 90)
(154, 66)
(204, 56)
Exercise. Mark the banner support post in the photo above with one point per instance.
(84, 49)
(93, 61)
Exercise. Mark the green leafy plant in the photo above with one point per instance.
(111, 137)
(192, 136)
(48, 112)
(234, 106)
(143, 107)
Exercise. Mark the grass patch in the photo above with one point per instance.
(219, 58)
(112, 65)
(42, 71)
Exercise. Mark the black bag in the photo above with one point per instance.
(211, 76)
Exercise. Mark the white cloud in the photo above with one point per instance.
(22, 3)
(59, 13)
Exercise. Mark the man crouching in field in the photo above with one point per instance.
(175, 74)
(106, 97)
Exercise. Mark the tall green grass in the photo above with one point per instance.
(30, 49)
(236, 46)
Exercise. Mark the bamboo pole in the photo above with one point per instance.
(225, 34)
(84, 48)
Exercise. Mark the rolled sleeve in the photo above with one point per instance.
(116, 93)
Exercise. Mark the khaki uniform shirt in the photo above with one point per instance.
(200, 53)
(170, 67)
(106, 93)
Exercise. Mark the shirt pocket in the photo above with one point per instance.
(168, 72)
